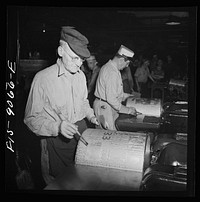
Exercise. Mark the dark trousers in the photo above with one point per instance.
(62, 150)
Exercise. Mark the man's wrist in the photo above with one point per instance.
(93, 117)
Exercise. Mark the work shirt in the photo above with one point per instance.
(109, 85)
(142, 74)
(55, 90)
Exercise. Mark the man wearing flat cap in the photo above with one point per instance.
(57, 104)
(109, 90)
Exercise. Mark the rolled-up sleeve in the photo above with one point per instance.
(38, 120)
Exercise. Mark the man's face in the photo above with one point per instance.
(124, 63)
(71, 61)
(91, 63)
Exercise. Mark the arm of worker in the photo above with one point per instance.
(151, 78)
(91, 85)
(157, 77)
(125, 96)
(89, 112)
(154, 76)
(137, 84)
(136, 75)
(127, 110)
(149, 75)
(40, 118)
(113, 98)
(130, 78)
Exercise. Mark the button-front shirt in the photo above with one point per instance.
(55, 90)
(109, 85)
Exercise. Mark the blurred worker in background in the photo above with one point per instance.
(94, 68)
(142, 74)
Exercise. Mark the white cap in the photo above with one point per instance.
(124, 51)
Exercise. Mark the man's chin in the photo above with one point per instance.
(73, 71)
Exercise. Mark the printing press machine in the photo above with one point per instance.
(167, 170)
(162, 159)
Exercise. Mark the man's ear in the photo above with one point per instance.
(121, 60)
(60, 51)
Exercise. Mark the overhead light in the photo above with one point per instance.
(173, 20)
(43, 28)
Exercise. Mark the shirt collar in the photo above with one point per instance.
(61, 69)
(114, 66)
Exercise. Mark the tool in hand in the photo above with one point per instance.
(138, 113)
(81, 137)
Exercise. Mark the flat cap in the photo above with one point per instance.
(124, 51)
(77, 41)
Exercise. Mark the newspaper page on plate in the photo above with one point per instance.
(113, 149)
(148, 107)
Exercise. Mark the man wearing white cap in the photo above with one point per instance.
(109, 90)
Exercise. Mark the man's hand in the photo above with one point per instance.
(68, 129)
(132, 111)
(94, 121)
(136, 94)
(126, 95)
